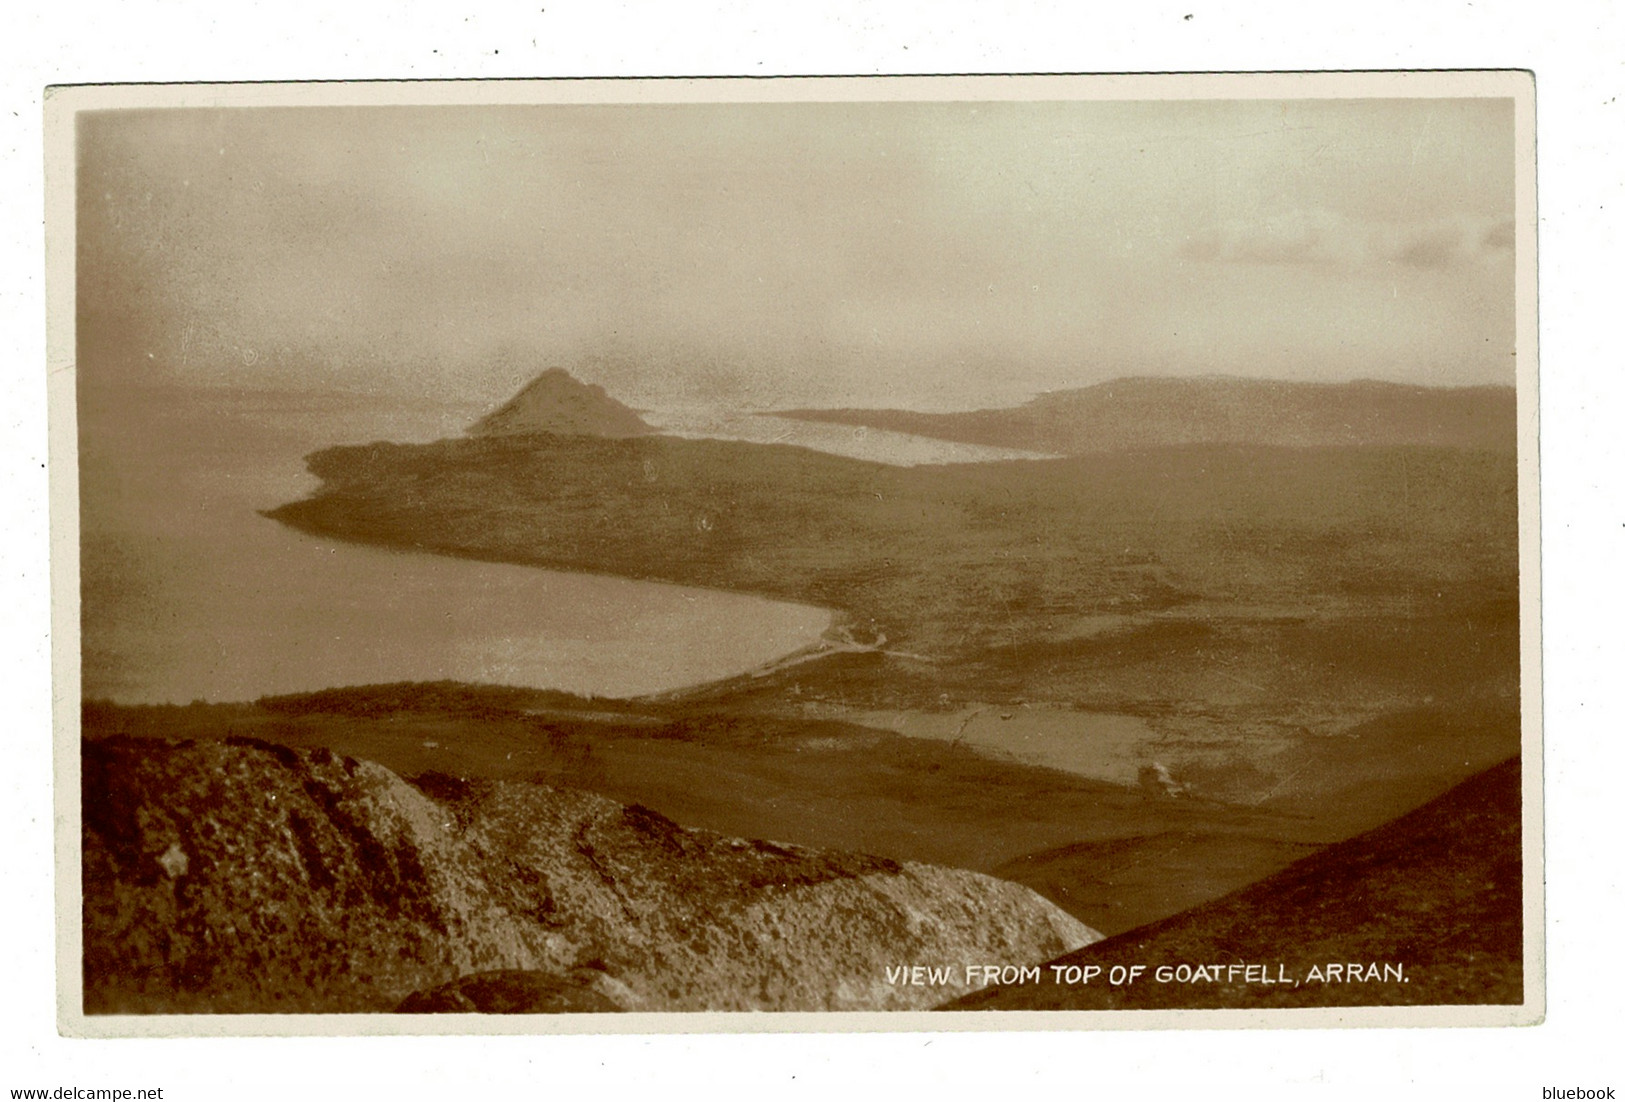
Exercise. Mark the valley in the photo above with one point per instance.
(1132, 681)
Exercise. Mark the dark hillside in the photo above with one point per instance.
(1438, 892)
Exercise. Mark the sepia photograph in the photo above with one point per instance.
(876, 553)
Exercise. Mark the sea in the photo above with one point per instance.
(188, 593)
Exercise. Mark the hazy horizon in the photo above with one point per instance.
(925, 255)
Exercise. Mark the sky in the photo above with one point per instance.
(923, 255)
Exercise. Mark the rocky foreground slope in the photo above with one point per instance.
(239, 876)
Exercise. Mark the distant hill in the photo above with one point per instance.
(1135, 413)
(1438, 892)
(558, 403)
(242, 876)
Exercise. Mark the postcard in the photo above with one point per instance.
(796, 554)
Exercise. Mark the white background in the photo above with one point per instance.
(1578, 54)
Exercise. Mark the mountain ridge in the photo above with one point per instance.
(1144, 411)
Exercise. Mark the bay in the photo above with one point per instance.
(188, 593)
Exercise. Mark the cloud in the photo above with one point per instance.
(1498, 236)
(1430, 246)
(944, 253)
(1329, 239)
(1296, 237)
